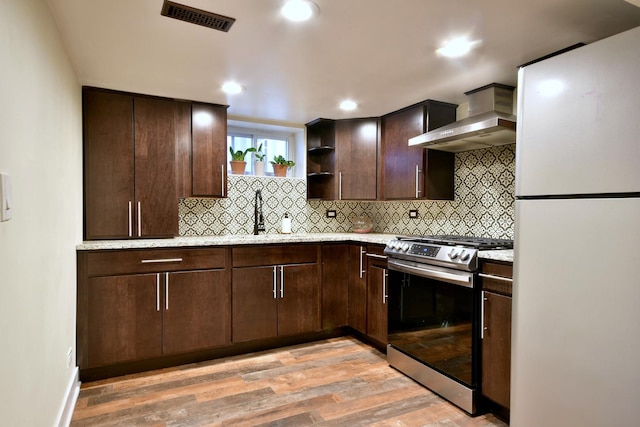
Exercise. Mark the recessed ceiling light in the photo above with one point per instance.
(232, 88)
(456, 47)
(299, 10)
(348, 105)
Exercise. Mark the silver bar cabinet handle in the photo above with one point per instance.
(281, 281)
(139, 219)
(362, 253)
(161, 260)
(158, 292)
(377, 256)
(275, 279)
(166, 291)
(130, 218)
(499, 278)
(482, 328)
(340, 186)
(417, 181)
(384, 286)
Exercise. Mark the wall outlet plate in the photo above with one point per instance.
(413, 213)
(331, 213)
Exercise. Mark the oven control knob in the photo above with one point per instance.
(453, 254)
(405, 247)
(391, 244)
(464, 256)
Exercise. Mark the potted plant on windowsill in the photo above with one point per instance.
(237, 162)
(281, 165)
(258, 163)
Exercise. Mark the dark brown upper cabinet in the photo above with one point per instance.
(209, 150)
(414, 172)
(143, 153)
(342, 159)
(130, 147)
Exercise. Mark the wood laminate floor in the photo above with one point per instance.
(336, 382)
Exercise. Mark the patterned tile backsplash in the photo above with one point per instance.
(484, 204)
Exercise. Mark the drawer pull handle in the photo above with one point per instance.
(377, 256)
(159, 261)
(499, 278)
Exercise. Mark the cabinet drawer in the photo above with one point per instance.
(251, 256)
(497, 277)
(106, 263)
(375, 255)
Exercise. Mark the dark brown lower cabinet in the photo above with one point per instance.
(377, 274)
(496, 348)
(496, 280)
(274, 301)
(124, 322)
(196, 313)
(137, 317)
(335, 286)
(377, 304)
(136, 306)
(358, 288)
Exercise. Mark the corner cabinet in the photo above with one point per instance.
(335, 290)
(496, 282)
(275, 291)
(342, 159)
(135, 305)
(414, 172)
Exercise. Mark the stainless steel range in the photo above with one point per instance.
(434, 312)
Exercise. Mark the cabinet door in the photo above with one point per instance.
(496, 348)
(414, 172)
(298, 299)
(254, 304)
(358, 288)
(357, 154)
(209, 150)
(108, 164)
(335, 285)
(196, 310)
(159, 125)
(403, 165)
(124, 319)
(377, 303)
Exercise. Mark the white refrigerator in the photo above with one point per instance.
(576, 296)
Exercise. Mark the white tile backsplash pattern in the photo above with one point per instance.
(484, 204)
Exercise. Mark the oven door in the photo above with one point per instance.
(433, 318)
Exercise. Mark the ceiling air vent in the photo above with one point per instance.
(197, 16)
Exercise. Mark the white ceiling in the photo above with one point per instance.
(378, 52)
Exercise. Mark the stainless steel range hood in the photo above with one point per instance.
(490, 123)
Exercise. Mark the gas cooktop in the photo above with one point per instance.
(480, 243)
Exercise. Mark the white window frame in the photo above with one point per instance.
(256, 134)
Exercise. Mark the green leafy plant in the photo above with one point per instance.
(259, 155)
(239, 155)
(280, 160)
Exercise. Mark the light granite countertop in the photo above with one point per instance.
(250, 239)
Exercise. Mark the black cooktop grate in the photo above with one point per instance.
(481, 243)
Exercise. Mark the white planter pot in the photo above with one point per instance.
(258, 167)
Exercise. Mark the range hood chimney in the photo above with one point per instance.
(490, 123)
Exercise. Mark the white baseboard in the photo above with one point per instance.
(73, 389)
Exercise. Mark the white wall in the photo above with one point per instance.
(41, 148)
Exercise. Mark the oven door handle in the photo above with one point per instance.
(461, 278)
